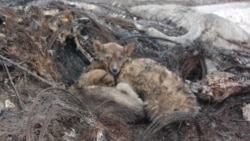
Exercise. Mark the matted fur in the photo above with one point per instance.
(163, 92)
(161, 89)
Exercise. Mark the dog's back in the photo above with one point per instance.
(166, 97)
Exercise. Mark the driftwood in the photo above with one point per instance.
(223, 33)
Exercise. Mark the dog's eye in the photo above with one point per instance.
(107, 58)
(120, 58)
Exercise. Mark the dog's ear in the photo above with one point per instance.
(129, 48)
(98, 47)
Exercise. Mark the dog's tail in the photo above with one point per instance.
(160, 122)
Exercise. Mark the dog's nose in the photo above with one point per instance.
(114, 70)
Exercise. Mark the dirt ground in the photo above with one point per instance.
(185, 2)
(129, 2)
(42, 55)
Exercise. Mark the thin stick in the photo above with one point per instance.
(16, 92)
(28, 71)
(85, 53)
(122, 40)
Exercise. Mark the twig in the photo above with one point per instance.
(16, 92)
(122, 40)
(85, 53)
(46, 124)
(28, 71)
(36, 101)
(55, 34)
(238, 120)
(234, 66)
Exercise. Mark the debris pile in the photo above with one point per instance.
(44, 50)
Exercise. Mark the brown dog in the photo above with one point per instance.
(166, 97)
